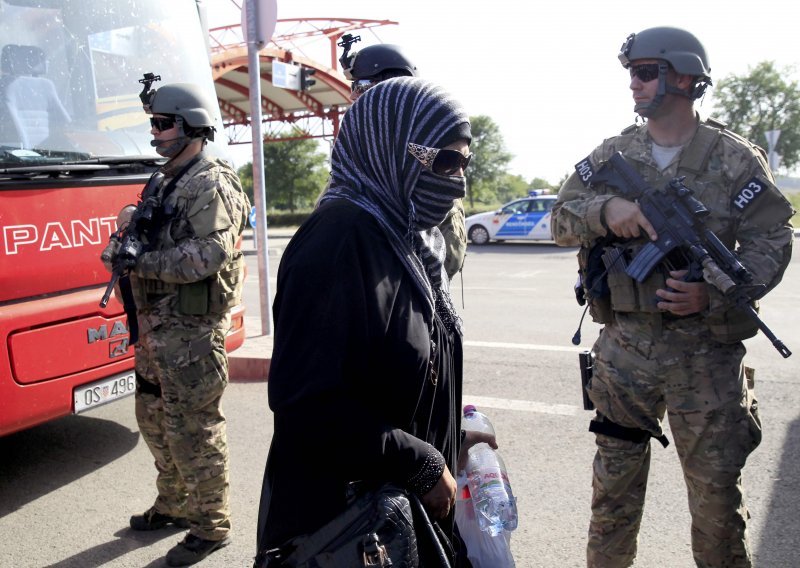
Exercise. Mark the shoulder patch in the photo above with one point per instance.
(585, 171)
(751, 191)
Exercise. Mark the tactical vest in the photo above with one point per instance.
(621, 293)
(213, 295)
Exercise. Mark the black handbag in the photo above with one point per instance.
(380, 528)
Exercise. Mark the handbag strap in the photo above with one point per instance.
(430, 535)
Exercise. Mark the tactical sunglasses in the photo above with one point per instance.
(645, 72)
(162, 123)
(361, 86)
(443, 162)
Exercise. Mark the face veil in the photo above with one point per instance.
(371, 167)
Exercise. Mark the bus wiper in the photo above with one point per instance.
(145, 159)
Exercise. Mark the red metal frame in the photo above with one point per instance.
(289, 44)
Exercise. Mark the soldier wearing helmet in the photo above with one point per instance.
(183, 286)
(368, 67)
(371, 65)
(672, 344)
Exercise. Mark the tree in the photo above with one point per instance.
(486, 172)
(760, 101)
(294, 173)
(541, 183)
(511, 187)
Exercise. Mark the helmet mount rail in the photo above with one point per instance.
(146, 96)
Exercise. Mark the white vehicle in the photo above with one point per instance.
(524, 219)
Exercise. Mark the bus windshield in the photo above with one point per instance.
(70, 87)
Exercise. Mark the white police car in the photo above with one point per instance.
(525, 219)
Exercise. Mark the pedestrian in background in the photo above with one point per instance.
(668, 344)
(183, 286)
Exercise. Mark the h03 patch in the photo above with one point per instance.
(585, 171)
(749, 193)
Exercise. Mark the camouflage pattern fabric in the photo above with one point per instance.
(648, 364)
(185, 427)
(455, 237)
(642, 367)
(185, 355)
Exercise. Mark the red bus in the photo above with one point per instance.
(75, 149)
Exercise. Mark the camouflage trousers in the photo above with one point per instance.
(184, 427)
(646, 367)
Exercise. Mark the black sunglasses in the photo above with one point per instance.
(645, 72)
(162, 123)
(443, 162)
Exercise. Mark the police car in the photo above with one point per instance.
(525, 219)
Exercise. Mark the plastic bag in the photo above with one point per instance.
(483, 549)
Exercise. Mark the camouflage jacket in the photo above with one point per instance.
(204, 214)
(719, 166)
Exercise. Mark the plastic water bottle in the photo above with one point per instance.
(487, 477)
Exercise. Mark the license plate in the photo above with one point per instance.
(103, 391)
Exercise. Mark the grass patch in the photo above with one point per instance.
(794, 199)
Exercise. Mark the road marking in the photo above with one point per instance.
(524, 346)
(523, 405)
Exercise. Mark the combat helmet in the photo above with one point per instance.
(186, 101)
(682, 50)
(379, 59)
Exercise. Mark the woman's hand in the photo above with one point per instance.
(439, 500)
(470, 439)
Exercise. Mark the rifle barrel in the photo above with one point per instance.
(110, 288)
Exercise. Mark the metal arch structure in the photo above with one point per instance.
(286, 114)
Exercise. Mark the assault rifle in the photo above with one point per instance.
(678, 218)
(130, 224)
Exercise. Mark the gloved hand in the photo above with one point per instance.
(109, 253)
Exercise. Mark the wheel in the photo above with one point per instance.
(479, 235)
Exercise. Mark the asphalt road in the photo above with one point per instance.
(68, 488)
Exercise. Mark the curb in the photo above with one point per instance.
(251, 361)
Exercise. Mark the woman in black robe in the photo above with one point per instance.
(366, 371)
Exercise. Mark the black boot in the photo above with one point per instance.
(152, 520)
(193, 549)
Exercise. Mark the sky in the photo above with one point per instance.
(547, 72)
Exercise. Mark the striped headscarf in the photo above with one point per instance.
(371, 167)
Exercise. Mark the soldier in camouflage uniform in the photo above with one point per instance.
(668, 345)
(184, 286)
(368, 67)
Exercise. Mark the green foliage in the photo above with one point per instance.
(487, 171)
(511, 187)
(760, 101)
(794, 199)
(294, 174)
(540, 183)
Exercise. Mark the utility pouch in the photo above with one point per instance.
(586, 363)
(595, 283)
(733, 325)
(225, 287)
(628, 295)
(193, 298)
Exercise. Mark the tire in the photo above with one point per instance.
(479, 235)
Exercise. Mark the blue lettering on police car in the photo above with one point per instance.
(745, 196)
